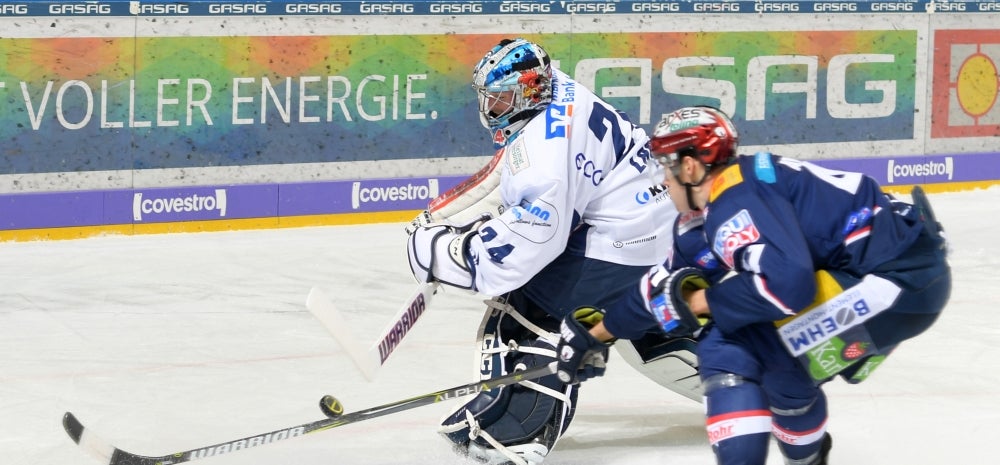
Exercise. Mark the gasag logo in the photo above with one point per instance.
(143, 206)
(16, 9)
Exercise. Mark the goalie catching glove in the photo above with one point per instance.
(581, 355)
(667, 303)
(440, 252)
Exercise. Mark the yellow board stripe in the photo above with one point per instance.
(942, 187)
(80, 232)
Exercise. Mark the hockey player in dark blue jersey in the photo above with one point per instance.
(825, 275)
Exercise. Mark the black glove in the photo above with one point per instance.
(581, 356)
(667, 304)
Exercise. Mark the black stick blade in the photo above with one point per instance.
(73, 427)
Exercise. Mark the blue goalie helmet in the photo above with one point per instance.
(513, 83)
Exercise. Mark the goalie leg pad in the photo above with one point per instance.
(533, 415)
(519, 423)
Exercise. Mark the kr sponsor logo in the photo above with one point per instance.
(145, 205)
(362, 194)
(654, 193)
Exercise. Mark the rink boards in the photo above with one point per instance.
(135, 117)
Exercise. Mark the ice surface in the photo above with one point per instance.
(163, 343)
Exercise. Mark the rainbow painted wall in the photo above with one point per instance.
(134, 117)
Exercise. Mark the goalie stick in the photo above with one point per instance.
(370, 360)
(475, 199)
(112, 455)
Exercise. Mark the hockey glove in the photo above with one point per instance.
(667, 304)
(581, 356)
(421, 220)
(440, 253)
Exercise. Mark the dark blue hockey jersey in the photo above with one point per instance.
(775, 221)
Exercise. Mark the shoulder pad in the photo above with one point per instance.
(729, 177)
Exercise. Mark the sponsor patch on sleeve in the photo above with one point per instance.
(535, 221)
(517, 156)
(734, 233)
(728, 178)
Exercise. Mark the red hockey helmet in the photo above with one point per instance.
(704, 133)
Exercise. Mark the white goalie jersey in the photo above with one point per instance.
(577, 176)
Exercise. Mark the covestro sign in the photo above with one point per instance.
(145, 206)
(901, 171)
(363, 193)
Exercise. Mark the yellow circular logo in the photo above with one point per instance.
(978, 84)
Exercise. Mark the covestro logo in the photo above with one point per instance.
(144, 206)
(380, 192)
(906, 172)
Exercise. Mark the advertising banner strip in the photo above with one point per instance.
(239, 202)
(929, 169)
(437, 7)
(363, 196)
(228, 202)
(119, 103)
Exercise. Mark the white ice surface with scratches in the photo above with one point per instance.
(162, 343)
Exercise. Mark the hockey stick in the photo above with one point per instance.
(112, 455)
(370, 360)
